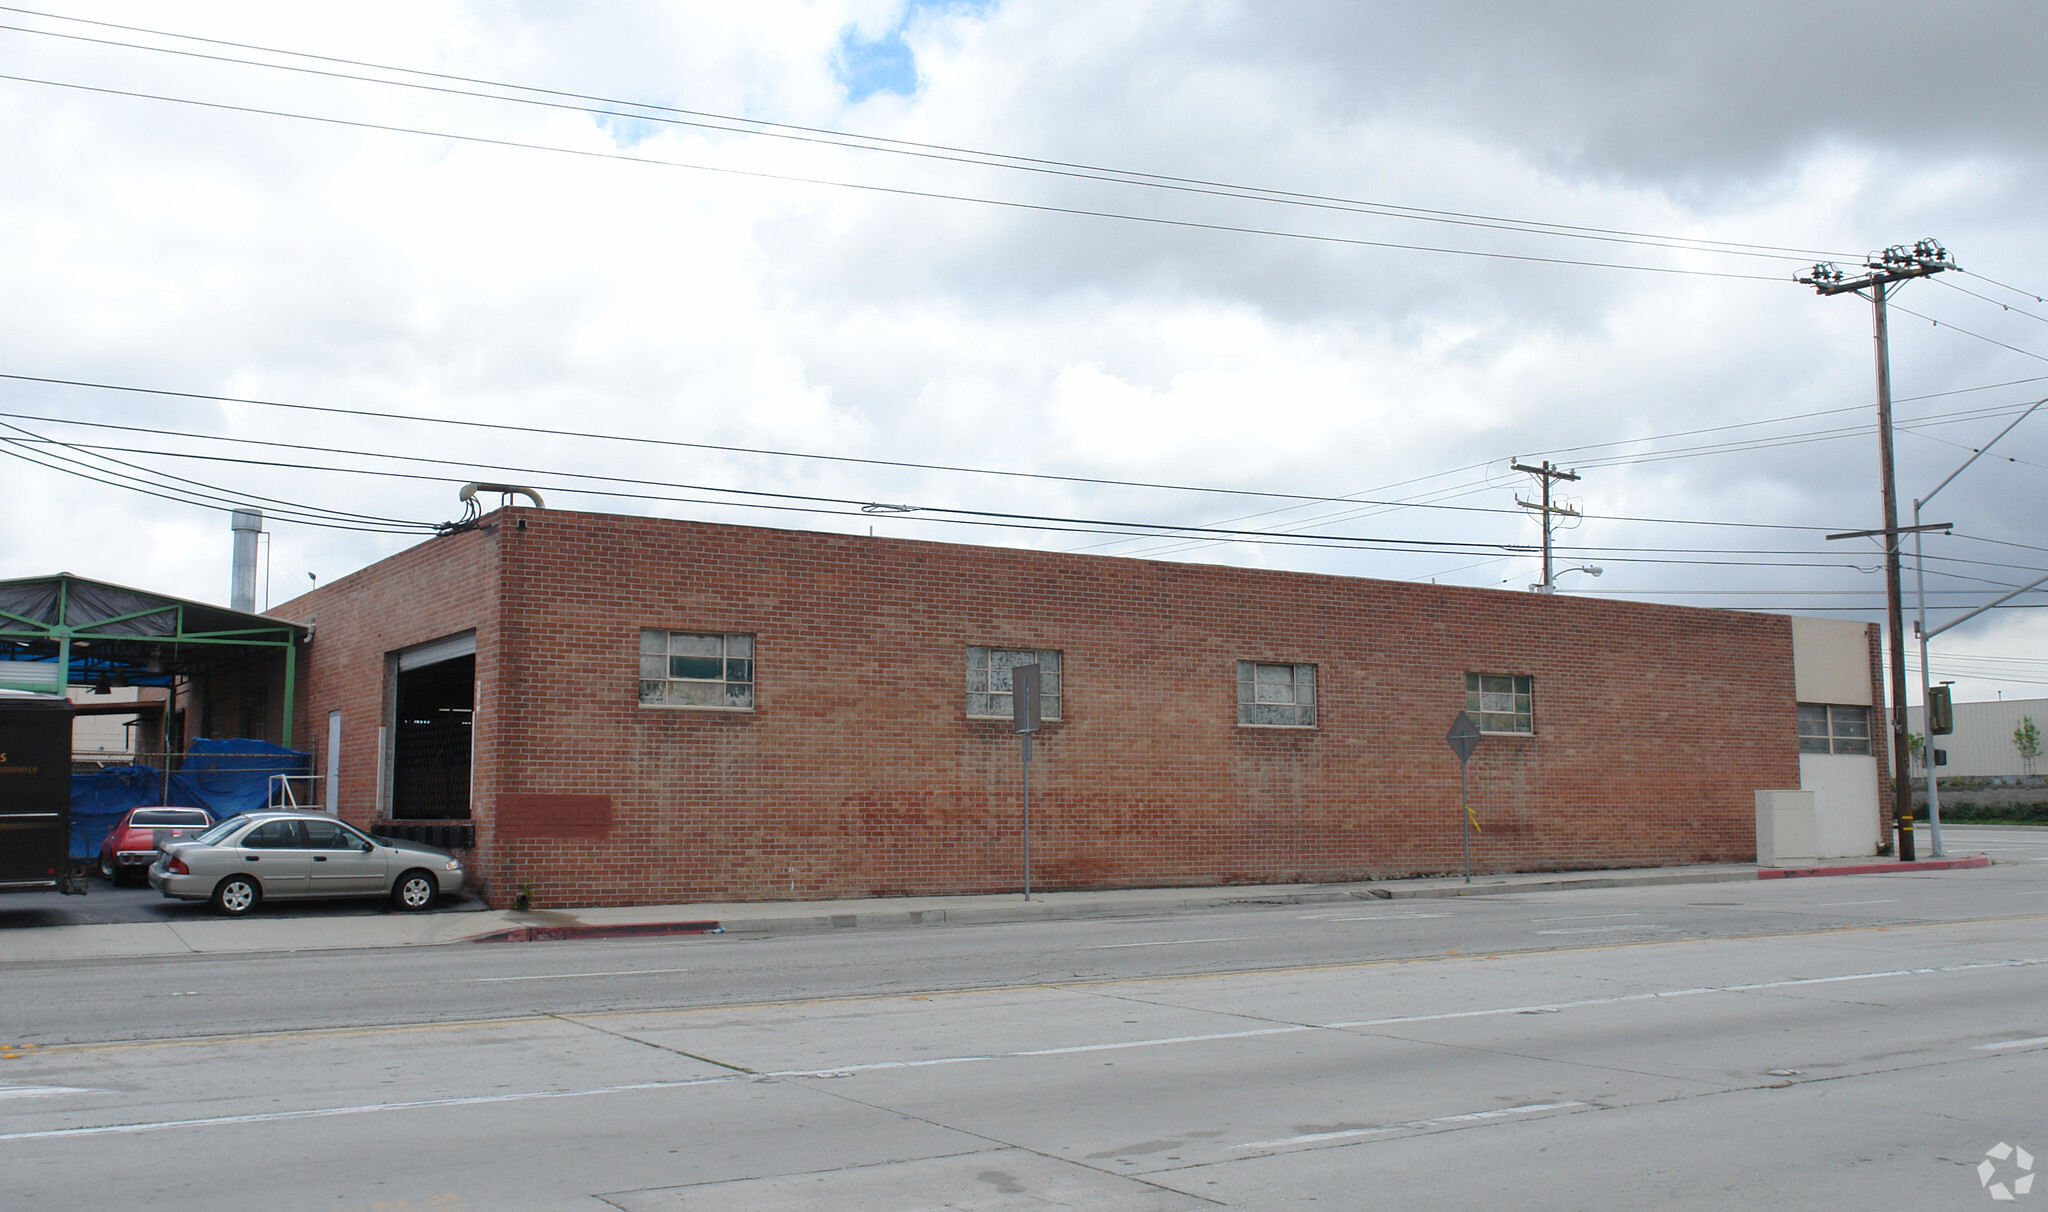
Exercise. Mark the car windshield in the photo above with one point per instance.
(170, 816)
(219, 832)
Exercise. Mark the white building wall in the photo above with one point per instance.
(1981, 746)
(1831, 664)
(1844, 803)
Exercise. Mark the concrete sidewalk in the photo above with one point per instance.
(284, 932)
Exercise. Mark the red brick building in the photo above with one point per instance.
(638, 710)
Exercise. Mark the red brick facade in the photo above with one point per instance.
(858, 772)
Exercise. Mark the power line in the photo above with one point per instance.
(206, 491)
(671, 115)
(2002, 286)
(542, 431)
(12, 449)
(968, 516)
(1966, 332)
(895, 191)
(1995, 303)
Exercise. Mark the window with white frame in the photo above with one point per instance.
(696, 669)
(1834, 728)
(1501, 702)
(989, 685)
(1273, 695)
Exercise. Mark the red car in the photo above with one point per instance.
(131, 845)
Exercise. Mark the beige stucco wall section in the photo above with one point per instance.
(1831, 662)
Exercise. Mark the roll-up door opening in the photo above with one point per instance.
(430, 754)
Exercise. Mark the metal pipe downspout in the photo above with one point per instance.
(291, 670)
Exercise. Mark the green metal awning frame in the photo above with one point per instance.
(86, 631)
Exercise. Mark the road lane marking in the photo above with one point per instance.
(563, 976)
(1371, 917)
(691, 1011)
(41, 1091)
(1070, 1050)
(1171, 942)
(1469, 1117)
(1757, 987)
(1606, 929)
(271, 1117)
(1890, 900)
(2013, 1043)
(1583, 917)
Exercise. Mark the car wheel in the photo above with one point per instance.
(108, 871)
(236, 895)
(415, 890)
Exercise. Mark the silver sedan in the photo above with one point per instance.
(246, 859)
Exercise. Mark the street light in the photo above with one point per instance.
(1588, 569)
(1920, 629)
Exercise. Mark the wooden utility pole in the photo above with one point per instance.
(1883, 273)
(1546, 473)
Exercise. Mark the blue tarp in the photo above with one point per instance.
(227, 778)
(100, 798)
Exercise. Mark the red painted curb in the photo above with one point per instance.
(1787, 873)
(548, 934)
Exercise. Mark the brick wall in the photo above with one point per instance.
(859, 773)
(443, 586)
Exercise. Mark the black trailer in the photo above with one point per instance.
(35, 793)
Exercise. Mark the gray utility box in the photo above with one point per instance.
(1787, 832)
(35, 792)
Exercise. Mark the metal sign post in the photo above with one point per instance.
(1024, 685)
(1464, 738)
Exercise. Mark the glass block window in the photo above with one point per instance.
(1832, 728)
(1501, 702)
(988, 681)
(696, 669)
(1276, 696)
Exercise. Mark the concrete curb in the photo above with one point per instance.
(1097, 905)
(1954, 864)
(545, 934)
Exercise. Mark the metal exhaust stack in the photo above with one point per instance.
(247, 524)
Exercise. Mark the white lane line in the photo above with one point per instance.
(271, 1117)
(1583, 917)
(564, 976)
(41, 1091)
(1070, 1050)
(1318, 1137)
(1758, 987)
(849, 1070)
(2042, 892)
(2013, 1043)
(1373, 917)
(1606, 929)
(1172, 942)
(1890, 900)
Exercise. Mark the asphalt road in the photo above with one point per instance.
(1855, 1042)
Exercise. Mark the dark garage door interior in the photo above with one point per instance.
(430, 741)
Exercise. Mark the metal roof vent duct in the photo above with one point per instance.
(509, 491)
(247, 524)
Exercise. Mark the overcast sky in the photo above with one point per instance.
(1481, 231)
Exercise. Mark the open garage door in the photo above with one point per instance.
(434, 700)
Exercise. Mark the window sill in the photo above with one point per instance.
(693, 707)
(1278, 727)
